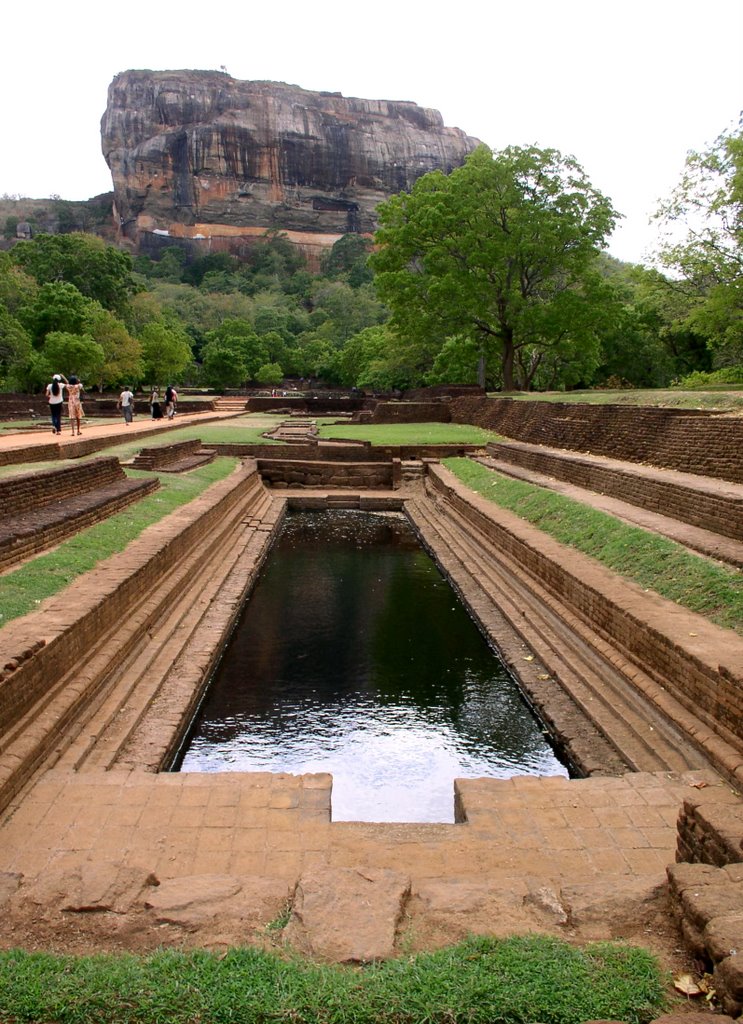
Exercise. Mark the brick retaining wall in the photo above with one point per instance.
(691, 441)
(165, 454)
(720, 513)
(411, 412)
(43, 509)
(351, 475)
(344, 451)
(706, 888)
(27, 491)
(80, 620)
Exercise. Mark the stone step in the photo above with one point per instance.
(594, 683)
(132, 687)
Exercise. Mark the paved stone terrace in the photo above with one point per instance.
(534, 853)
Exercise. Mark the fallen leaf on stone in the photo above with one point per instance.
(699, 785)
(693, 634)
(528, 657)
(686, 984)
(542, 675)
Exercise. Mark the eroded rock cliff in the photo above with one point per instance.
(199, 155)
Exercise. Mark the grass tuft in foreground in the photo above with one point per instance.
(480, 981)
(22, 589)
(653, 562)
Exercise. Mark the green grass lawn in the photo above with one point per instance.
(23, 589)
(481, 981)
(408, 433)
(727, 400)
(653, 562)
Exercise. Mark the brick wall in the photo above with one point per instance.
(720, 513)
(693, 442)
(706, 888)
(28, 491)
(75, 625)
(353, 475)
(340, 452)
(412, 412)
(165, 454)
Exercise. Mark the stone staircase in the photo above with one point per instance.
(593, 674)
(230, 403)
(142, 628)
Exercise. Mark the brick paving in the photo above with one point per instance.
(176, 825)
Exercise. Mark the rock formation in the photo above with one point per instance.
(199, 155)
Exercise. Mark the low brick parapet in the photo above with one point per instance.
(357, 475)
(173, 458)
(43, 509)
(26, 492)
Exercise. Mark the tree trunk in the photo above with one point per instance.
(507, 357)
(481, 369)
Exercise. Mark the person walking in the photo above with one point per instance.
(155, 408)
(55, 397)
(126, 404)
(74, 403)
(171, 401)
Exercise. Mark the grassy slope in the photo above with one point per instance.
(408, 433)
(653, 562)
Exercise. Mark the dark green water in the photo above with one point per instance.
(354, 656)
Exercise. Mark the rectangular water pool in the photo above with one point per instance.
(354, 656)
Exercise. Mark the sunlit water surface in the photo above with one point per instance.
(354, 656)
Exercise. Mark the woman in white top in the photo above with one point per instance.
(55, 397)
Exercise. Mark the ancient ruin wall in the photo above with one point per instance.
(700, 443)
(719, 512)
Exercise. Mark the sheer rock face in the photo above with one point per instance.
(200, 155)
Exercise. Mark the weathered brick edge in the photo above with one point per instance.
(343, 451)
(38, 650)
(707, 444)
(165, 454)
(706, 888)
(720, 513)
(353, 475)
(674, 669)
(45, 508)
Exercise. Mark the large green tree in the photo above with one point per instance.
(703, 241)
(165, 350)
(97, 270)
(503, 248)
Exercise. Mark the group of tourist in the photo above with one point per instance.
(170, 402)
(55, 396)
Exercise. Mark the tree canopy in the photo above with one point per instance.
(99, 271)
(707, 251)
(501, 249)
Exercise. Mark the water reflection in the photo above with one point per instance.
(355, 657)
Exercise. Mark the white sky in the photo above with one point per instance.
(626, 87)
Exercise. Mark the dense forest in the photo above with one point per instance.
(496, 273)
